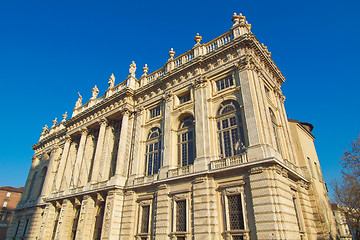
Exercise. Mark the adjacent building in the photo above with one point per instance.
(9, 198)
(198, 149)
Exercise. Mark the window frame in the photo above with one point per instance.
(148, 202)
(180, 196)
(181, 143)
(233, 189)
(225, 83)
(155, 112)
(150, 144)
(221, 130)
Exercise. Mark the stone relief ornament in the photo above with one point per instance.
(111, 81)
(95, 92)
(64, 116)
(78, 102)
(45, 129)
(54, 121)
(132, 69)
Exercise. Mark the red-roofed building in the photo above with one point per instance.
(9, 198)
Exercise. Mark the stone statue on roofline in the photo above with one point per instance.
(132, 69)
(111, 81)
(95, 92)
(78, 102)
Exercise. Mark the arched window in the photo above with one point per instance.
(153, 151)
(186, 142)
(275, 129)
(32, 185)
(230, 129)
(42, 180)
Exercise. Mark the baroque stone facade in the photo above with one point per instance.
(199, 149)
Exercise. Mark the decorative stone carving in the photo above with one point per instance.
(64, 117)
(111, 81)
(45, 129)
(132, 69)
(198, 39)
(200, 82)
(78, 102)
(95, 92)
(171, 53)
(54, 122)
(145, 70)
(168, 96)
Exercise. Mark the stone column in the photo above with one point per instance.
(79, 157)
(63, 160)
(204, 209)
(49, 218)
(98, 159)
(121, 167)
(137, 139)
(113, 215)
(202, 130)
(163, 213)
(51, 171)
(69, 166)
(34, 223)
(107, 153)
(26, 194)
(65, 221)
(86, 160)
(166, 156)
(255, 150)
(86, 219)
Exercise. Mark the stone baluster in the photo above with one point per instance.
(79, 157)
(62, 164)
(120, 171)
(99, 150)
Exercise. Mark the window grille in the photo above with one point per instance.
(237, 237)
(186, 142)
(297, 213)
(236, 218)
(184, 98)
(153, 152)
(181, 216)
(230, 129)
(224, 83)
(155, 112)
(116, 128)
(145, 218)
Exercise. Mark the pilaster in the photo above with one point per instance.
(122, 158)
(163, 212)
(113, 214)
(50, 174)
(99, 151)
(62, 164)
(86, 162)
(128, 227)
(65, 220)
(79, 158)
(167, 163)
(137, 139)
(86, 219)
(69, 167)
(205, 217)
(202, 129)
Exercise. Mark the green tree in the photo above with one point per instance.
(347, 188)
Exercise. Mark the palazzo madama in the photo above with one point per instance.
(198, 149)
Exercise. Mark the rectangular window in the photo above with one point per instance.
(8, 194)
(224, 83)
(236, 218)
(184, 98)
(155, 112)
(5, 204)
(181, 216)
(145, 219)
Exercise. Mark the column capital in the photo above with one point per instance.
(84, 131)
(168, 96)
(200, 82)
(125, 111)
(103, 121)
(67, 138)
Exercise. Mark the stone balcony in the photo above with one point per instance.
(230, 161)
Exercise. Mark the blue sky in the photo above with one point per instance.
(51, 50)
